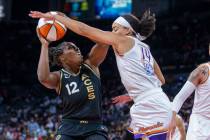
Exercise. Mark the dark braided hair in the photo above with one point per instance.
(55, 52)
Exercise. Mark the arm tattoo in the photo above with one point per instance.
(199, 74)
(205, 71)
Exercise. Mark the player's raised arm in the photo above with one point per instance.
(97, 56)
(47, 78)
(83, 29)
(198, 76)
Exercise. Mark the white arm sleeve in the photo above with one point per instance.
(183, 94)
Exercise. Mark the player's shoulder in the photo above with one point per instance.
(92, 68)
(57, 73)
(139, 42)
(203, 65)
(203, 68)
(201, 72)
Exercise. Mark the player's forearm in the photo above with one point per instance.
(183, 94)
(76, 26)
(43, 70)
(98, 54)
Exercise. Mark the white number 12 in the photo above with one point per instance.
(74, 89)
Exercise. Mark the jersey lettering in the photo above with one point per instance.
(89, 85)
(146, 59)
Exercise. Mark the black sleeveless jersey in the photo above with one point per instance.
(81, 95)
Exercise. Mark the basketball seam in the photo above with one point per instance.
(56, 32)
(60, 26)
(55, 29)
(47, 31)
(45, 25)
(56, 24)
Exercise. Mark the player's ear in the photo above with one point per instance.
(129, 32)
(61, 58)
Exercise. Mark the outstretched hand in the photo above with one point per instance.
(47, 16)
(37, 14)
(122, 99)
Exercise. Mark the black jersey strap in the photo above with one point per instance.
(88, 66)
(60, 82)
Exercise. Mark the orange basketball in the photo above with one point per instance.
(51, 30)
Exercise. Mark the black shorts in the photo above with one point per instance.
(95, 136)
(80, 130)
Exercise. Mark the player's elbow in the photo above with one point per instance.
(163, 81)
(42, 78)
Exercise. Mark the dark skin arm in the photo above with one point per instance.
(51, 80)
(97, 56)
(48, 79)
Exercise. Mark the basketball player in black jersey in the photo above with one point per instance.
(78, 84)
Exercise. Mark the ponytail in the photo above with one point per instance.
(147, 24)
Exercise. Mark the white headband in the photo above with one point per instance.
(122, 21)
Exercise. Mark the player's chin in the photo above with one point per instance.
(80, 63)
(81, 59)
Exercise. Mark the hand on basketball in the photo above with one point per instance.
(37, 14)
(122, 99)
(43, 41)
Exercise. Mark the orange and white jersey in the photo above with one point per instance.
(136, 68)
(202, 98)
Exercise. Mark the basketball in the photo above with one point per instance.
(51, 30)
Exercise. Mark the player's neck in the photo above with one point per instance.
(73, 70)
